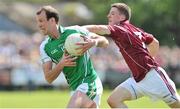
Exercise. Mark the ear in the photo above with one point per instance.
(122, 17)
(52, 20)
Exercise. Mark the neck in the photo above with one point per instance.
(55, 32)
(125, 21)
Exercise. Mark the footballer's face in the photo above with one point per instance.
(43, 23)
(114, 16)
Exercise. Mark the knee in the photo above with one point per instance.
(175, 104)
(115, 100)
(111, 101)
(93, 105)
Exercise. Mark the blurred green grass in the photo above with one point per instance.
(59, 99)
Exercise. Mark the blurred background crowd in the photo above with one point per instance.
(20, 65)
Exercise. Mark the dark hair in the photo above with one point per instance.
(50, 12)
(123, 9)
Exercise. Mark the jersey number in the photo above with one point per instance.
(139, 34)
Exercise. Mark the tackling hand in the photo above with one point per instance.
(86, 45)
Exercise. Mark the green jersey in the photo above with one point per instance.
(53, 50)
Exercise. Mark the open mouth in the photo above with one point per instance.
(42, 29)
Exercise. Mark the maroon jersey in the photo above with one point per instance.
(132, 44)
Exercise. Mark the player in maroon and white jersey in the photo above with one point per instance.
(138, 49)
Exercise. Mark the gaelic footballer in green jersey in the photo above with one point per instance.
(81, 77)
(79, 71)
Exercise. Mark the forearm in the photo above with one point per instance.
(153, 48)
(98, 29)
(51, 75)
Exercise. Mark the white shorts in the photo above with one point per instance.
(92, 90)
(156, 85)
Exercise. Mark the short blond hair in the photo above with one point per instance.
(123, 9)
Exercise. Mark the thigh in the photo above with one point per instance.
(157, 85)
(89, 92)
(98, 92)
(80, 100)
(173, 98)
(126, 91)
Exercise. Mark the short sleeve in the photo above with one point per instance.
(116, 29)
(43, 54)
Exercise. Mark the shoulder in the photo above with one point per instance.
(43, 43)
(117, 30)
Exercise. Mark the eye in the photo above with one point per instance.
(112, 13)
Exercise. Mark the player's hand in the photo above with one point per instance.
(68, 60)
(86, 45)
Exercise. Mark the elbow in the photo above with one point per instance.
(49, 80)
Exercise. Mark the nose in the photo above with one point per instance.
(108, 15)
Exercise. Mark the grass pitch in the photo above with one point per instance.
(59, 99)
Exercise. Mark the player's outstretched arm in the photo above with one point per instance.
(93, 40)
(98, 29)
(100, 41)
